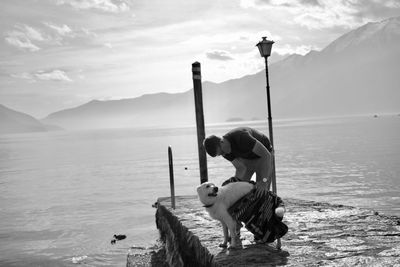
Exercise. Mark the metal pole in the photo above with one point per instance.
(171, 176)
(198, 101)
(271, 135)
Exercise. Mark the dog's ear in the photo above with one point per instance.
(198, 189)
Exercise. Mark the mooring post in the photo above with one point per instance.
(198, 102)
(171, 176)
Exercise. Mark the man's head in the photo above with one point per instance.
(212, 144)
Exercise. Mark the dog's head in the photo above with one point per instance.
(207, 193)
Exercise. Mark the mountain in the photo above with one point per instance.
(12, 121)
(355, 74)
(147, 110)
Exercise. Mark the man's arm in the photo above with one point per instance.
(260, 150)
(240, 168)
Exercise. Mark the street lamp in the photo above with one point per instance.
(265, 46)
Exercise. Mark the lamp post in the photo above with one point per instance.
(265, 46)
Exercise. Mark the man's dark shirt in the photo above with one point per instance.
(242, 141)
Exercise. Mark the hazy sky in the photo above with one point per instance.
(57, 54)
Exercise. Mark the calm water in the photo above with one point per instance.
(64, 195)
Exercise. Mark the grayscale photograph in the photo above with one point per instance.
(199, 133)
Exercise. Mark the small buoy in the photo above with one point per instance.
(119, 237)
(186, 168)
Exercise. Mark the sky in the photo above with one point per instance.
(58, 54)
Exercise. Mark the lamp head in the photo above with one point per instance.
(265, 46)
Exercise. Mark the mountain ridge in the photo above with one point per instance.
(354, 74)
(13, 121)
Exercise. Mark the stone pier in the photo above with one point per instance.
(320, 234)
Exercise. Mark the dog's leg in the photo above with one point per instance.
(226, 235)
(231, 223)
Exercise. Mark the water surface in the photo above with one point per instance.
(63, 195)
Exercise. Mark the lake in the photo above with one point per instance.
(63, 195)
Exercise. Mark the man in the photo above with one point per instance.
(247, 149)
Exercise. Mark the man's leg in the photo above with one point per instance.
(246, 176)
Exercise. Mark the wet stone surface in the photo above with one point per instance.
(319, 234)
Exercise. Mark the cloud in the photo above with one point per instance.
(219, 55)
(24, 75)
(63, 30)
(32, 39)
(22, 37)
(288, 49)
(103, 5)
(31, 33)
(376, 10)
(316, 14)
(21, 43)
(53, 75)
(284, 3)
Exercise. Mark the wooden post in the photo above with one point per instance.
(171, 176)
(198, 102)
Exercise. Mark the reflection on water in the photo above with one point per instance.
(64, 195)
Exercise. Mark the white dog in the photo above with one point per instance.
(218, 200)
